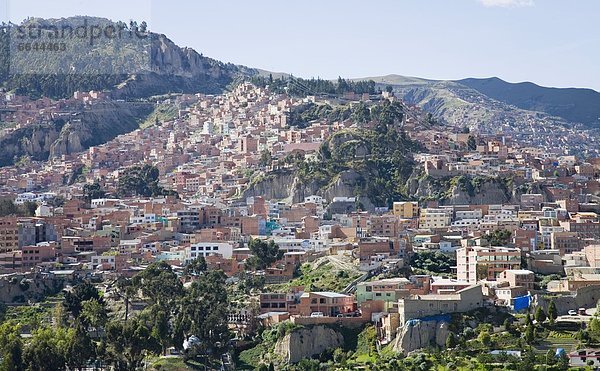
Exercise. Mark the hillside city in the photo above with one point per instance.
(200, 224)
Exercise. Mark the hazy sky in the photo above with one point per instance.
(549, 42)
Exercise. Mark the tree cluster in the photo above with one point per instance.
(8, 207)
(432, 261)
(141, 181)
(300, 87)
(84, 332)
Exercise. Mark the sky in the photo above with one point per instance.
(550, 42)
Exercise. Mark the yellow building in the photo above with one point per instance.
(406, 210)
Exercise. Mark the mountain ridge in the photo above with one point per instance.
(574, 105)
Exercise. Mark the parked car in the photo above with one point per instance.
(572, 312)
(317, 314)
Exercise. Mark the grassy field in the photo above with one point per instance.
(322, 275)
(163, 112)
(249, 359)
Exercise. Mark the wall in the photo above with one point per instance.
(585, 297)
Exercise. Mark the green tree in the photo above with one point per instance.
(552, 312)
(471, 143)
(29, 208)
(59, 315)
(263, 253)
(80, 293)
(11, 347)
(361, 113)
(12, 358)
(80, 348)
(160, 284)
(508, 325)
(266, 158)
(93, 191)
(529, 334)
(127, 342)
(500, 237)
(432, 261)
(451, 341)
(550, 357)
(160, 330)
(540, 315)
(485, 338)
(141, 181)
(196, 267)
(93, 313)
(125, 290)
(204, 310)
(594, 327)
(8, 207)
(46, 350)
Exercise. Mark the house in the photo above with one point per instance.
(420, 306)
(373, 250)
(204, 249)
(581, 357)
(329, 303)
(518, 277)
(281, 302)
(475, 263)
(391, 289)
(405, 210)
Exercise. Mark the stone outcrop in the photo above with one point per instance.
(307, 342)
(285, 185)
(172, 68)
(421, 334)
(490, 191)
(29, 288)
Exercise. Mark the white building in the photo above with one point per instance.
(204, 249)
(105, 261)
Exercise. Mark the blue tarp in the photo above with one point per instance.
(522, 302)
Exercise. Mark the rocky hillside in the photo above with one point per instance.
(485, 104)
(575, 105)
(74, 133)
(372, 161)
(133, 66)
(464, 190)
(286, 184)
(127, 68)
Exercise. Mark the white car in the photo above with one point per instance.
(572, 312)
(317, 314)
